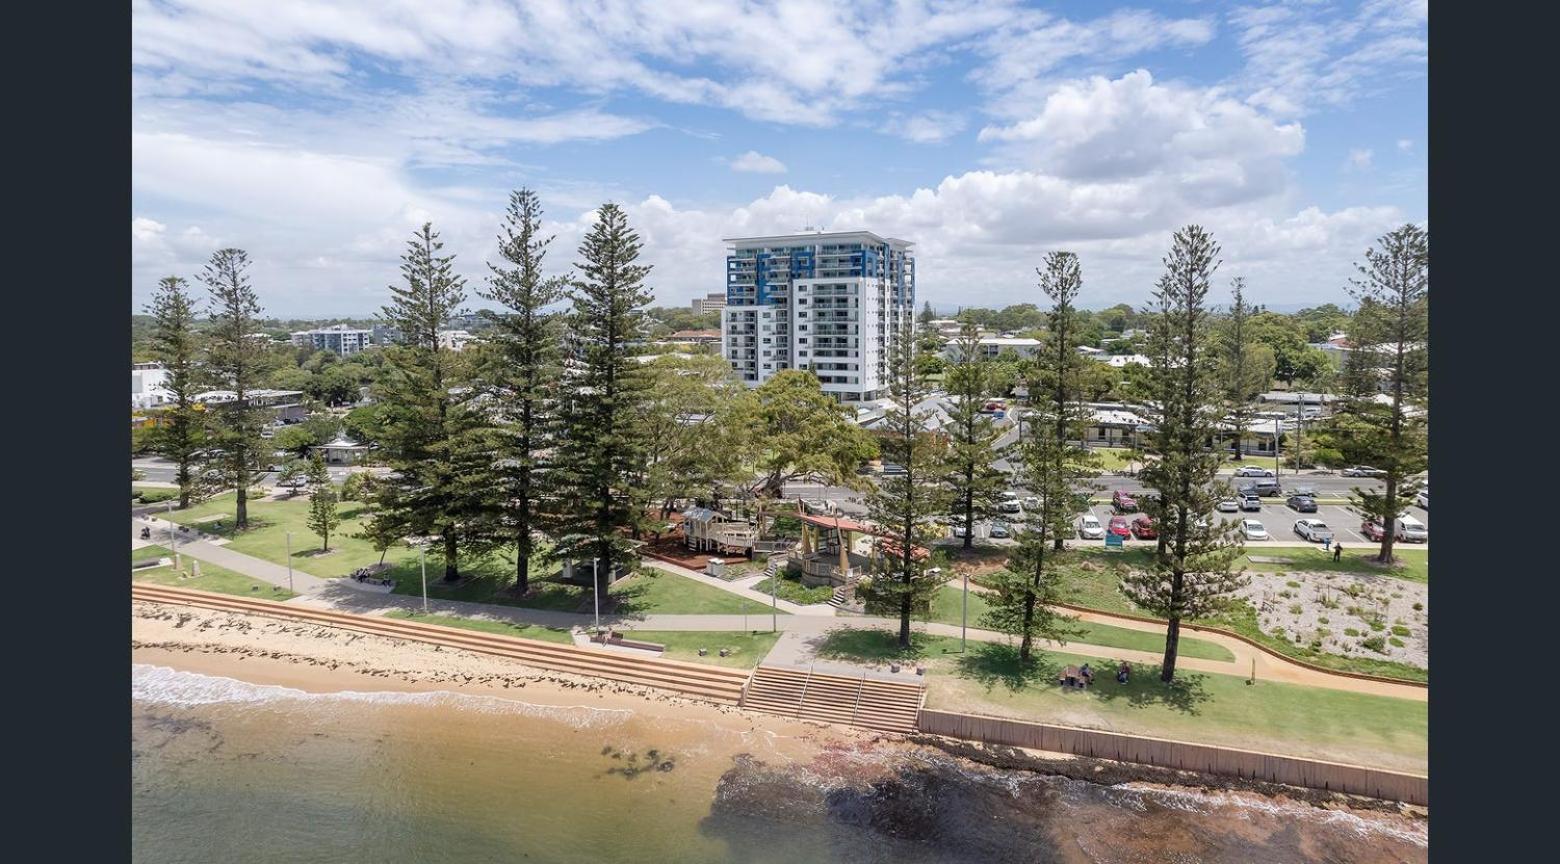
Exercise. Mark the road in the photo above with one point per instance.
(159, 470)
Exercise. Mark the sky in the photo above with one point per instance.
(319, 135)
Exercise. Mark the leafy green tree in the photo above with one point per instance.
(521, 373)
(976, 486)
(240, 364)
(602, 447)
(423, 425)
(180, 436)
(292, 471)
(359, 486)
(693, 428)
(1056, 380)
(323, 517)
(363, 424)
(1246, 367)
(1389, 336)
(798, 431)
(1191, 574)
(906, 506)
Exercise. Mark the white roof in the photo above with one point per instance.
(1014, 341)
(818, 237)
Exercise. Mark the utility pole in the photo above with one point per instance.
(173, 535)
(964, 625)
(289, 563)
(422, 557)
(595, 589)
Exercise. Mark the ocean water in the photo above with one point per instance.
(225, 770)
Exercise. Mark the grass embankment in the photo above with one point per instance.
(946, 609)
(211, 578)
(1093, 582)
(745, 649)
(484, 580)
(1313, 722)
(790, 588)
(501, 628)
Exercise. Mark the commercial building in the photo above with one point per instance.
(828, 302)
(342, 339)
(709, 303)
(992, 347)
(148, 385)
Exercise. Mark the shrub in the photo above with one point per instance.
(1321, 620)
(1376, 625)
(157, 496)
(1376, 644)
(1395, 642)
(1292, 584)
(1295, 609)
(1350, 631)
(1285, 594)
(1399, 630)
(1419, 607)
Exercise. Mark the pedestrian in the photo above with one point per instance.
(1326, 543)
(1338, 552)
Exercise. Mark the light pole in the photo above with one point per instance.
(964, 623)
(595, 589)
(173, 535)
(289, 563)
(422, 557)
(774, 605)
(1278, 462)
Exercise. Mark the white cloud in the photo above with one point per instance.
(1359, 159)
(146, 230)
(927, 127)
(1175, 142)
(1406, 145)
(755, 162)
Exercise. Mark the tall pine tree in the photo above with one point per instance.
(1389, 337)
(1191, 575)
(1057, 376)
(180, 436)
(601, 447)
(424, 426)
(905, 506)
(239, 364)
(976, 486)
(521, 373)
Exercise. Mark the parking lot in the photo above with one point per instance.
(1279, 520)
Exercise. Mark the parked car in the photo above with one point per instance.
(1253, 471)
(1143, 528)
(1001, 529)
(1031, 503)
(1307, 491)
(1250, 502)
(1118, 526)
(1302, 503)
(1089, 528)
(1267, 488)
(1012, 505)
(1372, 530)
(1123, 502)
(890, 468)
(1227, 505)
(1411, 530)
(1363, 471)
(1314, 530)
(958, 531)
(1423, 499)
(1251, 529)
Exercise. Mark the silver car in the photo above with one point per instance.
(1000, 530)
(1089, 528)
(1227, 505)
(1251, 529)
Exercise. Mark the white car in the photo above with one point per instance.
(1031, 503)
(1089, 528)
(1411, 530)
(1251, 529)
(1227, 505)
(1363, 471)
(1314, 530)
(1012, 505)
(1423, 498)
(1253, 471)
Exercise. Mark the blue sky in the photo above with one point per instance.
(318, 135)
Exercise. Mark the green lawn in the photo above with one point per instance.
(148, 553)
(1115, 458)
(792, 589)
(211, 578)
(502, 628)
(270, 522)
(1413, 566)
(946, 609)
(747, 649)
(657, 591)
(1313, 722)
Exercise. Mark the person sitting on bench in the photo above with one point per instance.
(1123, 673)
(1086, 674)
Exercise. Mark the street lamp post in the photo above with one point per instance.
(289, 563)
(964, 623)
(173, 536)
(422, 557)
(595, 588)
(774, 604)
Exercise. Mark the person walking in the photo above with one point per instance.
(1337, 551)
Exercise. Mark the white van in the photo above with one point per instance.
(1411, 530)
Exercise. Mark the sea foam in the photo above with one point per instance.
(161, 685)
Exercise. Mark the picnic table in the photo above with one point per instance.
(1072, 676)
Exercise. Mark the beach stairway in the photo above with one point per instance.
(840, 595)
(872, 703)
(711, 683)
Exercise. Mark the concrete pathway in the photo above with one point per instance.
(822, 609)
(198, 545)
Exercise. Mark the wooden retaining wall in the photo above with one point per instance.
(1289, 770)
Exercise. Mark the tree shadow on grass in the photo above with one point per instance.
(861, 645)
(1144, 689)
(995, 665)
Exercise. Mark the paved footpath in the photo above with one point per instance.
(802, 632)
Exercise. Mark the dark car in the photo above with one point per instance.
(1123, 502)
(1250, 502)
(1143, 528)
(1267, 488)
(1302, 503)
(1118, 526)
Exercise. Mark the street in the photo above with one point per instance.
(159, 470)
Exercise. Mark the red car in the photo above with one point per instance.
(1118, 526)
(1123, 502)
(1143, 528)
(1372, 531)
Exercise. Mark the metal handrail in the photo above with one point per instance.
(857, 707)
(802, 700)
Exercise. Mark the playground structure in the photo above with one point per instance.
(830, 552)
(707, 530)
